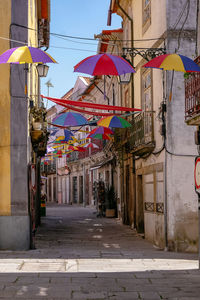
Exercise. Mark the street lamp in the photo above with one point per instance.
(124, 78)
(42, 70)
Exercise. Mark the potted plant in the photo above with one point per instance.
(38, 114)
(111, 202)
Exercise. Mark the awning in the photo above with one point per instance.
(101, 163)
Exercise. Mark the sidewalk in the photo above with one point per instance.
(80, 256)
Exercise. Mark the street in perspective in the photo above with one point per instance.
(81, 256)
(100, 149)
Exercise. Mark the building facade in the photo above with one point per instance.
(19, 85)
(159, 151)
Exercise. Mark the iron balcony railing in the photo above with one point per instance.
(141, 136)
(192, 96)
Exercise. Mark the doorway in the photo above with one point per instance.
(139, 205)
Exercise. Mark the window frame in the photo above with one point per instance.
(146, 22)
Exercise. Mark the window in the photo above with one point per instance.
(146, 14)
(147, 105)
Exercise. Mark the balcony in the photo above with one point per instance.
(141, 135)
(138, 139)
(192, 97)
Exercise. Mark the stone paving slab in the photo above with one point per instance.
(81, 257)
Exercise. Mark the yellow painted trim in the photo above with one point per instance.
(5, 170)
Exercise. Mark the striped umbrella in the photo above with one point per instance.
(25, 54)
(174, 62)
(70, 119)
(114, 121)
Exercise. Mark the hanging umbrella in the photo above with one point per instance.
(114, 121)
(101, 130)
(70, 119)
(175, 62)
(25, 54)
(79, 149)
(91, 145)
(49, 149)
(104, 64)
(100, 136)
(67, 134)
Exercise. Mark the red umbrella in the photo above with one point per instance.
(104, 64)
(102, 130)
(91, 145)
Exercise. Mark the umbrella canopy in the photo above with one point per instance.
(114, 121)
(25, 54)
(101, 130)
(91, 145)
(100, 136)
(174, 62)
(49, 149)
(70, 119)
(80, 149)
(67, 134)
(104, 64)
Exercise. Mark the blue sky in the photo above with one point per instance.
(82, 18)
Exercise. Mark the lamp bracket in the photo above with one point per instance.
(146, 53)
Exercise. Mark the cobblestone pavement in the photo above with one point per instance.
(80, 256)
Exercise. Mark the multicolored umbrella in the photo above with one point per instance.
(175, 62)
(25, 54)
(70, 119)
(101, 130)
(104, 64)
(62, 132)
(114, 121)
(91, 145)
(100, 136)
(49, 149)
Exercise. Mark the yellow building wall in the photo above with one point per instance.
(5, 184)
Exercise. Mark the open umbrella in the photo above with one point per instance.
(70, 119)
(99, 136)
(114, 121)
(25, 54)
(62, 132)
(100, 133)
(175, 62)
(101, 130)
(91, 145)
(104, 64)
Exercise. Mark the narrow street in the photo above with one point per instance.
(80, 256)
